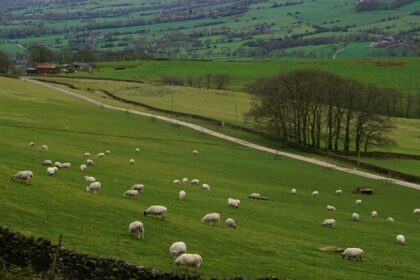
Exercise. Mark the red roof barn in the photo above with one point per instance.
(43, 69)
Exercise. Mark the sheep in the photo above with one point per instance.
(136, 228)
(338, 191)
(132, 161)
(45, 147)
(230, 223)
(205, 187)
(83, 167)
(184, 180)
(358, 202)
(47, 162)
(400, 239)
(66, 165)
(315, 193)
(213, 218)
(355, 217)
(182, 195)
(374, 214)
(331, 208)
(254, 196)
(58, 164)
(107, 152)
(195, 152)
(86, 154)
(31, 145)
(131, 193)
(51, 171)
(138, 187)
(90, 162)
(100, 155)
(188, 260)
(328, 223)
(293, 191)
(177, 249)
(195, 182)
(55, 168)
(93, 187)
(156, 210)
(137, 150)
(234, 203)
(89, 178)
(176, 181)
(390, 219)
(23, 176)
(416, 211)
(350, 253)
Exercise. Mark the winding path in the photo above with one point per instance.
(230, 138)
(337, 51)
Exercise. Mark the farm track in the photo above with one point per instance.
(230, 138)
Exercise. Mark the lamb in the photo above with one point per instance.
(212, 219)
(390, 219)
(188, 260)
(93, 187)
(331, 208)
(136, 228)
(182, 195)
(254, 196)
(47, 162)
(234, 203)
(45, 147)
(350, 253)
(90, 162)
(338, 191)
(55, 168)
(205, 187)
(231, 223)
(156, 210)
(416, 211)
(177, 249)
(23, 176)
(184, 180)
(138, 187)
(83, 167)
(131, 193)
(132, 161)
(358, 202)
(400, 239)
(86, 155)
(31, 145)
(58, 164)
(355, 216)
(374, 214)
(51, 171)
(293, 191)
(66, 165)
(107, 152)
(176, 181)
(100, 155)
(329, 223)
(195, 182)
(315, 193)
(195, 152)
(89, 178)
(137, 150)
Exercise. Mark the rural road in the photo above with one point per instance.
(337, 51)
(230, 138)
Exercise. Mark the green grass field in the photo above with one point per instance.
(275, 237)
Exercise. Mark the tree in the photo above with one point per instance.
(39, 54)
(221, 80)
(6, 65)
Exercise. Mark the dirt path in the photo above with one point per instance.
(230, 138)
(337, 51)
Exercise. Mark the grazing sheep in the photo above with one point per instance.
(23, 176)
(350, 253)
(390, 219)
(400, 239)
(136, 228)
(231, 223)
(212, 219)
(338, 191)
(31, 145)
(108, 152)
(83, 167)
(315, 193)
(132, 161)
(100, 155)
(374, 214)
(416, 211)
(55, 168)
(47, 162)
(58, 164)
(184, 180)
(293, 191)
(331, 208)
(195, 152)
(177, 249)
(358, 202)
(45, 147)
(89, 178)
(156, 210)
(234, 203)
(93, 187)
(254, 196)
(90, 162)
(137, 150)
(66, 165)
(355, 216)
(86, 155)
(51, 171)
(182, 195)
(188, 260)
(138, 187)
(131, 193)
(329, 223)
(176, 181)
(195, 182)
(205, 187)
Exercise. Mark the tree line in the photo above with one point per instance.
(217, 81)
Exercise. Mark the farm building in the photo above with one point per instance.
(43, 69)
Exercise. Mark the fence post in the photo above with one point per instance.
(55, 257)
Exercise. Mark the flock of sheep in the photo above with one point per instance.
(178, 250)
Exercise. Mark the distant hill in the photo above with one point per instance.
(216, 29)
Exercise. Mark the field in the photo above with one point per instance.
(280, 236)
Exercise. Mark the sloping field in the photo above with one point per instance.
(275, 237)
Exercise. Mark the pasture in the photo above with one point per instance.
(279, 236)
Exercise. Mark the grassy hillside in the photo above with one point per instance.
(280, 236)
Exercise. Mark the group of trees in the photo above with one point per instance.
(218, 81)
(324, 111)
(369, 5)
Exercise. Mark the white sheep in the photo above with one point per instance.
(184, 180)
(136, 228)
(23, 176)
(350, 253)
(358, 202)
(212, 219)
(231, 223)
(416, 211)
(390, 219)
(355, 216)
(329, 223)
(90, 162)
(400, 239)
(315, 193)
(83, 167)
(66, 165)
(374, 214)
(138, 187)
(131, 193)
(195, 182)
(331, 208)
(156, 210)
(177, 249)
(254, 196)
(205, 187)
(234, 203)
(47, 162)
(137, 150)
(195, 152)
(58, 164)
(31, 145)
(93, 187)
(182, 195)
(89, 178)
(107, 152)
(132, 161)
(51, 171)
(188, 260)
(86, 154)
(100, 155)
(338, 191)
(55, 168)
(176, 181)
(45, 147)
(293, 191)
